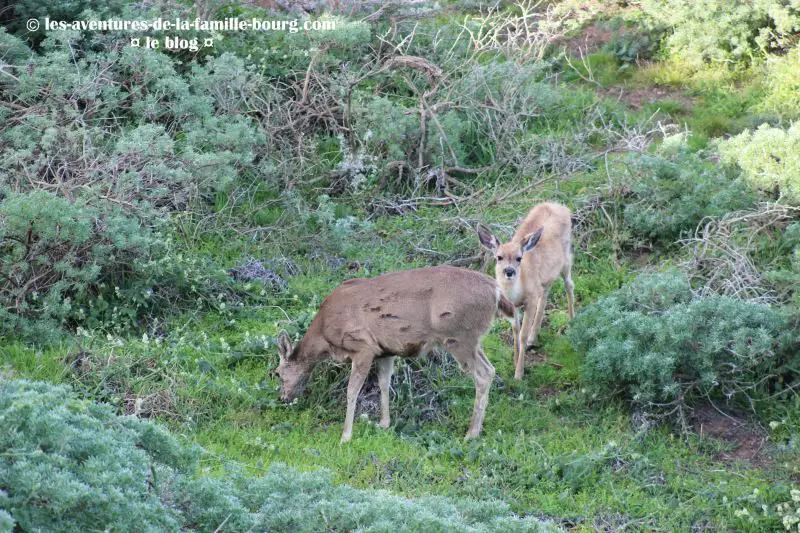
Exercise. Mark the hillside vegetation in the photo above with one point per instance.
(164, 214)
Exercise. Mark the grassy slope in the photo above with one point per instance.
(547, 450)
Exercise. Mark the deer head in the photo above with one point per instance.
(508, 255)
(293, 369)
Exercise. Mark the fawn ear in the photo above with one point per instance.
(284, 346)
(531, 239)
(487, 238)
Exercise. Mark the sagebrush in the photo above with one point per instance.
(73, 465)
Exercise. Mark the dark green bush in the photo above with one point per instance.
(72, 465)
(658, 347)
(673, 194)
(635, 45)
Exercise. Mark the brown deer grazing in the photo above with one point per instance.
(403, 313)
(526, 276)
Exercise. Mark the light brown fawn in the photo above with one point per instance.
(527, 265)
(403, 313)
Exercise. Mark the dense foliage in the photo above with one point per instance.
(724, 30)
(73, 465)
(92, 178)
(783, 85)
(672, 194)
(769, 157)
(664, 350)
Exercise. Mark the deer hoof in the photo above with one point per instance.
(384, 424)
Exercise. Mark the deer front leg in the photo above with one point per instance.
(358, 374)
(530, 312)
(537, 321)
(385, 367)
(570, 286)
(515, 330)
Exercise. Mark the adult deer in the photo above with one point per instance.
(403, 313)
(525, 274)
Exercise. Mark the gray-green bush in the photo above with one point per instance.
(662, 349)
(73, 465)
(674, 193)
(101, 144)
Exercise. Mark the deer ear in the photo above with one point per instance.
(284, 346)
(531, 239)
(487, 238)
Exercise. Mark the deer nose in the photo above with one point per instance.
(509, 272)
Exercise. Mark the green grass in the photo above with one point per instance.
(601, 67)
(548, 449)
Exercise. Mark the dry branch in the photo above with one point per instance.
(720, 252)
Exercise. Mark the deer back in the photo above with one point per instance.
(406, 313)
(546, 260)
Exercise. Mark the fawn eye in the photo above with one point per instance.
(499, 257)
(519, 259)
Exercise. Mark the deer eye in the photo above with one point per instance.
(519, 259)
(499, 257)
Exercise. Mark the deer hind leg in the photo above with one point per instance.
(569, 286)
(358, 374)
(533, 332)
(473, 360)
(385, 367)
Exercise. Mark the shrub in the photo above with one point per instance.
(55, 253)
(662, 349)
(633, 46)
(769, 157)
(68, 264)
(673, 194)
(783, 85)
(22, 10)
(72, 465)
(789, 512)
(388, 130)
(723, 30)
(100, 145)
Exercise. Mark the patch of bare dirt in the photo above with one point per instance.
(747, 441)
(638, 97)
(415, 382)
(547, 392)
(161, 403)
(507, 338)
(639, 257)
(591, 39)
(533, 355)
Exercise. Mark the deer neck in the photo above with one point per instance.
(313, 348)
(512, 288)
